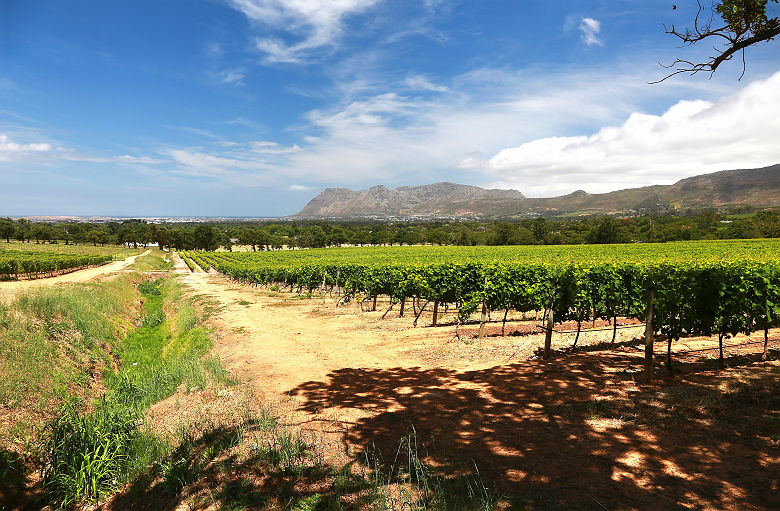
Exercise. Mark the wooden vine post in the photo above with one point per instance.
(649, 333)
(766, 343)
(548, 334)
(484, 314)
(435, 313)
(482, 320)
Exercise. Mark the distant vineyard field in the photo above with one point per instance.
(18, 264)
(117, 252)
(696, 288)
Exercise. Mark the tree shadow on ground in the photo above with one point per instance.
(208, 473)
(14, 493)
(577, 432)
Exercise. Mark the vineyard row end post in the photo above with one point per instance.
(649, 334)
(548, 335)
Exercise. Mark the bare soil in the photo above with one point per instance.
(579, 431)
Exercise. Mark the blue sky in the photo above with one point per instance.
(250, 107)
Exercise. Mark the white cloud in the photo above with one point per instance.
(9, 148)
(590, 29)
(230, 76)
(395, 139)
(691, 137)
(301, 188)
(420, 82)
(206, 164)
(45, 151)
(534, 131)
(318, 22)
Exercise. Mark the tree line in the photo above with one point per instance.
(275, 235)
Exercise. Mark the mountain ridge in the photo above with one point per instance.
(755, 187)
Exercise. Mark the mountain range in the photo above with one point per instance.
(728, 188)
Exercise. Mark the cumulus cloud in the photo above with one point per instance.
(691, 137)
(532, 132)
(10, 149)
(396, 139)
(318, 22)
(590, 29)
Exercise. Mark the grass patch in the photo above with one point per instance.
(53, 341)
(60, 346)
(156, 260)
(163, 352)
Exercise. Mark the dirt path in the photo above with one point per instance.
(11, 287)
(541, 428)
(280, 344)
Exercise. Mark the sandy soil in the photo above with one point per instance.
(527, 423)
(10, 287)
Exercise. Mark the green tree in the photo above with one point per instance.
(540, 228)
(23, 230)
(206, 237)
(7, 229)
(734, 24)
(607, 230)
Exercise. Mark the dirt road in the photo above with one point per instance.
(11, 287)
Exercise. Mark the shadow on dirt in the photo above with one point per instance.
(577, 432)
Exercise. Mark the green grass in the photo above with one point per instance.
(52, 340)
(55, 341)
(156, 260)
(90, 453)
(163, 353)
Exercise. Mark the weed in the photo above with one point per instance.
(285, 450)
(241, 494)
(597, 408)
(87, 453)
(182, 466)
(411, 483)
(154, 261)
(148, 287)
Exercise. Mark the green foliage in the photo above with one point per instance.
(148, 287)
(158, 357)
(746, 16)
(87, 452)
(700, 287)
(154, 261)
(17, 263)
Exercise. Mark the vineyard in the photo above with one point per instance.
(117, 252)
(706, 288)
(16, 264)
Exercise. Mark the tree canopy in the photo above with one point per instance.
(733, 24)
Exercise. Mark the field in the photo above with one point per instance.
(702, 288)
(17, 264)
(286, 394)
(32, 260)
(117, 252)
(542, 431)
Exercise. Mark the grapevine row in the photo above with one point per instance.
(702, 290)
(14, 264)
